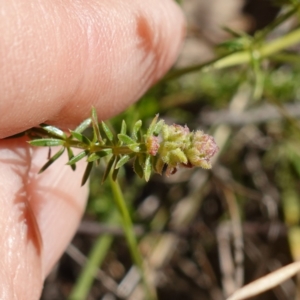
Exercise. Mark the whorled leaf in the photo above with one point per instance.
(158, 127)
(115, 174)
(93, 157)
(152, 126)
(47, 142)
(125, 139)
(158, 165)
(70, 156)
(80, 137)
(110, 165)
(137, 126)
(36, 133)
(123, 131)
(96, 129)
(83, 126)
(77, 158)
(147, 168)
(107, 131)
(137, 168)
(54, 131)
(123, 127)
(123, 160)
(52, 160)
(87, 173)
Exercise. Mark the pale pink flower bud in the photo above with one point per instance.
(203, 148)
(152, 145)
(205, 144)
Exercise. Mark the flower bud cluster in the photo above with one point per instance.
(178, 146)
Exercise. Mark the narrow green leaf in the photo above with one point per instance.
(158, 165)
(87, 173)
(54, 131)
(123, 127)
(152, 126)
(158, 127)
(93, 157)
(77, 158)
(97, 134)
(84, 125)
(115, 174)
(52, 160)
(99, 154)
(110, 165)
(123, 131)
(107, 131)
(137, 126)
(94, 116)
(134, 147)
(80, 137)
(125, 139)
(147, 168)
(47, 142)
(37, 133)
(123, 160)
(71, 155)
(137, 168)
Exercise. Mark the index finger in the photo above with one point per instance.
(65, 57)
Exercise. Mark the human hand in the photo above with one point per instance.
(57, 60)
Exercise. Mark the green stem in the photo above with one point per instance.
(242, 57)
(116, 150)
(129, 234)
(282, 43)
(95, 259)
(127, 223)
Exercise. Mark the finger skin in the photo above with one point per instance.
(59, 58)
(20, 239)
(38, 216)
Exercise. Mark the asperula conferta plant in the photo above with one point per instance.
(163, 148)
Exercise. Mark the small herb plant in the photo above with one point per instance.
(162, 147)
(267, 62)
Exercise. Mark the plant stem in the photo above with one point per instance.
(279, 44)
(242, 57)
(127, 223)
(97, 148)
(129, 234)
(95, 259)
